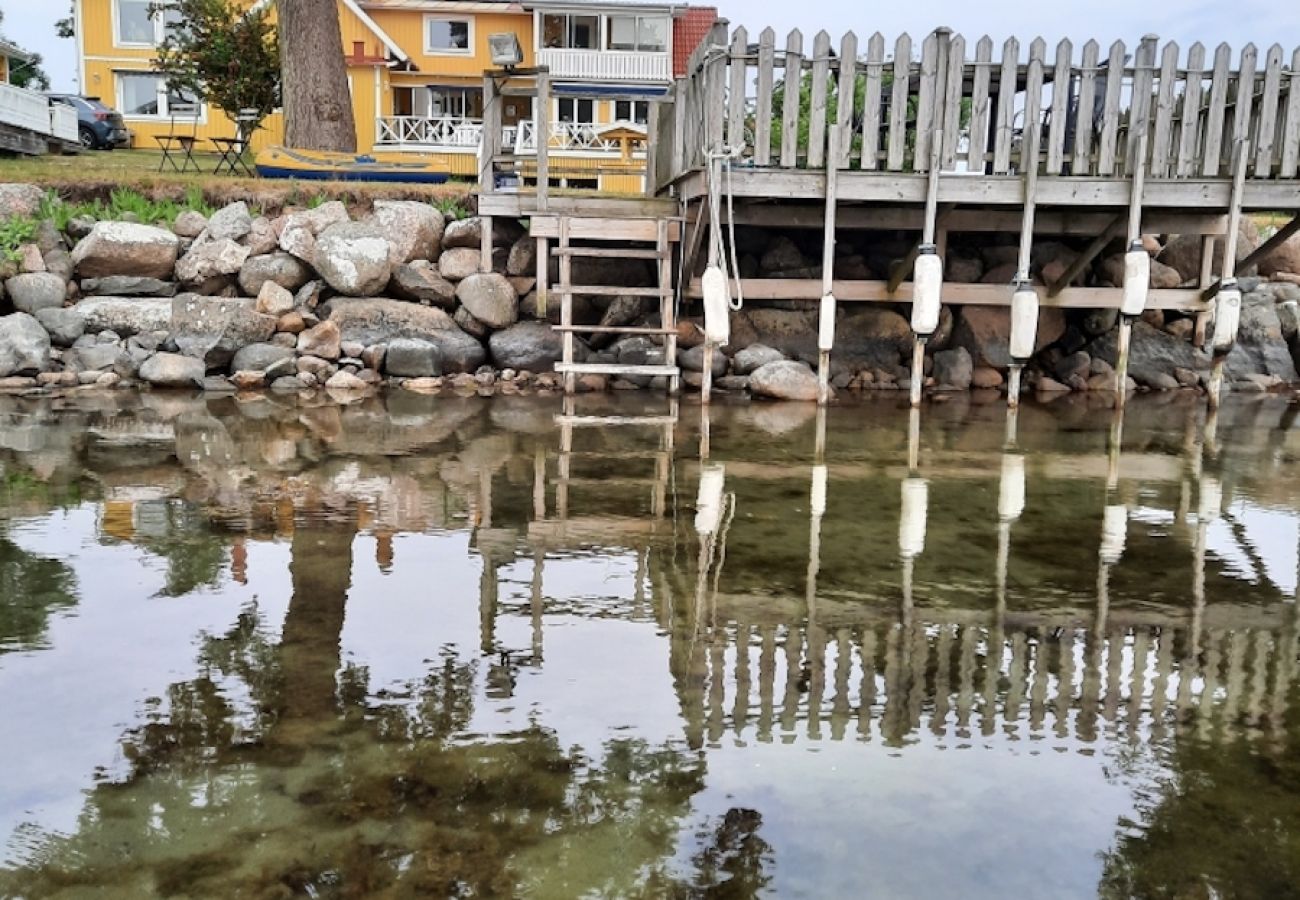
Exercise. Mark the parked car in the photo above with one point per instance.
(98, 126)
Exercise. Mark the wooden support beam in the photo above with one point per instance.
(542, 136)
(1260, 253)
(1084, 259)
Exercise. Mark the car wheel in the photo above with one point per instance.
(88, 139)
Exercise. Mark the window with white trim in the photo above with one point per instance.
(646, 34)
(455, 102)
(144, 95)
(581, 110)
(139, 25)
(444, 35)
(570, 31)
(637, 111)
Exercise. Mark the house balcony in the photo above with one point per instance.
(441, 134)
(606, 65)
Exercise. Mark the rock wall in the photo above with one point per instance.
(318, 298)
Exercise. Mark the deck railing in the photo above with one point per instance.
(1087, 107)
(606, 65)
(439, 131)
(27, 109)
(63, 122)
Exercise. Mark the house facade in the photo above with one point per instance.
(415, 71)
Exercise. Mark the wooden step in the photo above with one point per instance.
(603, 290)
(613, 329)
(615, 369)
(612, 252)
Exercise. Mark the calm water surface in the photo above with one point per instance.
(460, 647)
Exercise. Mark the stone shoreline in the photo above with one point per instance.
(312, 299)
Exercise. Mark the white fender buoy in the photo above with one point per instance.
(1137, 281)
(1211, 500)
(1227, 316)
(1024, 322)
(927, 286)
(717, 307)
(826, 324)
(1114, 533)
(911, 523)
(1011, 489)
(818, 499)
(708, 502)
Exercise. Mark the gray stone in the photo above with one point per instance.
(173, 370)
(98, 358)
(63, 325)
(985, 332)
(1153, 353)
(1261, 348)
(953, 369)
(19, 200)
(352, 257)
(523, 257)
(412, 358)
(784, 380)
(421, 282)
(490, 298)
(190, 224)
(24, 345)
(469, 232)
(528, 347)
(469, 324)
(287, 383)
(59, 262)
(381, 320)
(413, 229)
(259, 357)
(36, 291)
(213, 329)
(323, 340)
(262, 239)
(1079, 363)
(231, 222)
(346, 381)
(753, 357)
(274, 300)
(124, 248)
(125, 316)
(281, 268)
(211, 259)
(692, 360)
(127, 286)
(458, 263)
(298, 234)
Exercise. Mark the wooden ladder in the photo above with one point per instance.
(662, 232)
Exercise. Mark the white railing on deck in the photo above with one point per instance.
(26, 109)
(444, 131)
(575, 136)
(63, 122)
(606, 65)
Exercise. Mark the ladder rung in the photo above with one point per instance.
(609, 252)
(594, 290)
(613, 329)
(603, 421)
(615, 369)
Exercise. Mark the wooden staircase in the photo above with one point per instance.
(656, 237)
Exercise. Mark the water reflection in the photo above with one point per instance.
(417, 646)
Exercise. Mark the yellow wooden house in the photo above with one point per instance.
(415, 70)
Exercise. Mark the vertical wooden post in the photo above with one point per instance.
(489, 147)
(542, 134)
(714, 163)
(1241, 152)
(543, 275)
(1208, 243)
(667, 304)
(826, 335)
(927, 237)
(566, 305)
(1134, 235)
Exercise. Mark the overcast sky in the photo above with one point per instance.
(30, 23)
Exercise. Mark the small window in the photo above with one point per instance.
(562, 31)
(637, 111)
(448, 35)
(647, 34)
(140, 23)
(576, 109)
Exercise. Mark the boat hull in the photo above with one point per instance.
(281, 162)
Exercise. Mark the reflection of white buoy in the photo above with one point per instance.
(1011, 488)
(911, 524)
(817, 499)
(1024, 334)
(1114, 533)
(1211, 499)
(708, 504)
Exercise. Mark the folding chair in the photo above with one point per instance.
(175, 144)
(232, 150)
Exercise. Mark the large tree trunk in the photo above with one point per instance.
(317, 103)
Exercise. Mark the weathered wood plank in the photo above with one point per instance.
(790, 111)
(871, 101)
(763, 106)
(979, 105)
(715, 87)
(846, 89)
(1006, 107)
(1061, 79)
(1085, 119)
(1291, 126)
(1211, 155)
(817, 110)
(1108, 141)
(951, 124)
(1162, 138)
(1030, 139)
(1139, 123)
(1244, 97)
(925, 101)
(736, 105)
(1268, 103)
(898, 103)
(1190, 126)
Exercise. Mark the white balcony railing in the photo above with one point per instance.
(445, 132)
(466, 135)
(573, 136)
(27, 109)
(606, 65)
(63, 122)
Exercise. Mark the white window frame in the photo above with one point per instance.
(438, 51)
(602, 27)
(164, 113)
(159, 28)
(608, 29)
(633, 104)
(576, 101)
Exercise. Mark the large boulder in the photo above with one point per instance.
(490, 298)
(1261, 348)
(421, 282)
(784, 380)
(1183, 251)
(213, 329)
(692, 360)
(872, 336)
(458, 263)
(211, 259)
(231, 222)
(985, 332)
(125, 248)
(953, 369)
(381, 321)
(469, 232)
(125, 316)
(36, 291)
(413, 230)
(1285, 258)
(299, 230)
(528, 347)
(19, 200)
(64, 325)
(24, 345)
(1152, 355)
(412, 358)
(282, 268)
(753, 357)
(353, 258)
(173, 370)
